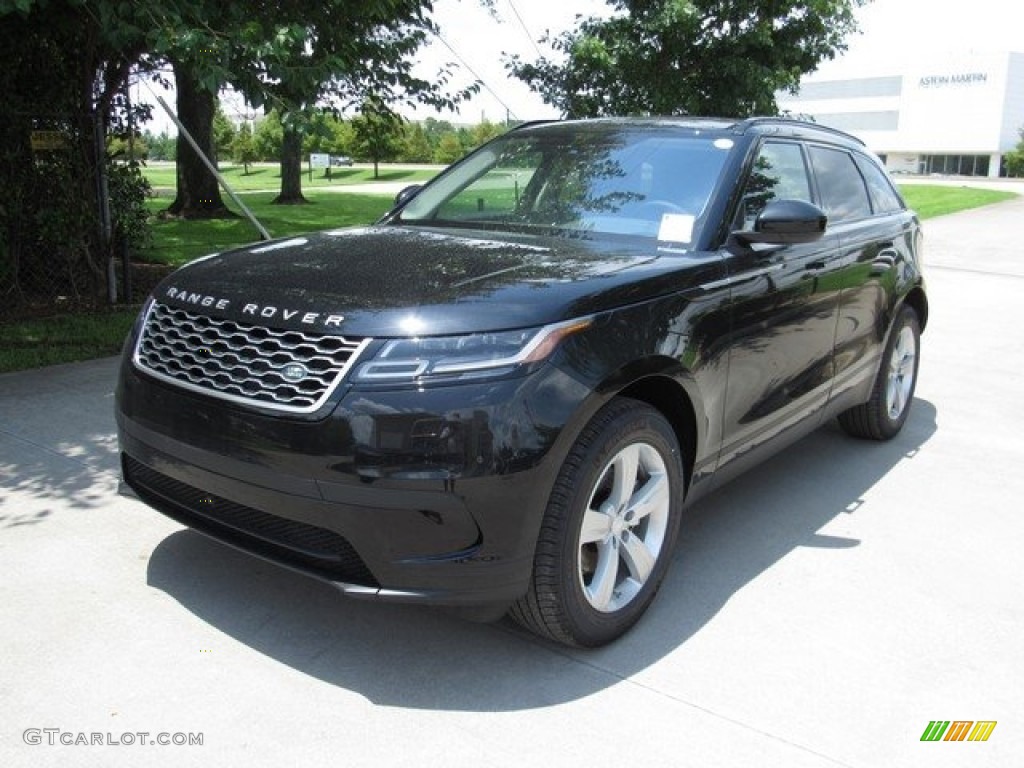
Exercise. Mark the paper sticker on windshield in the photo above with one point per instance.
(677, 227)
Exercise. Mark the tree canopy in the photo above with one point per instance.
(295, 55)
(700, 57)
(379, 133)
(1014, 159)
(64, 65)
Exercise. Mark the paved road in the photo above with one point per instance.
(821, 610)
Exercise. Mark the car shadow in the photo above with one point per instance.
(422, 658)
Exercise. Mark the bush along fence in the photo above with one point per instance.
(69, 213)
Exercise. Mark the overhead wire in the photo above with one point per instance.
(526, 31)
(482, 82)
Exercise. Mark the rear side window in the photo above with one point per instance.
(884, 198)
(779, 173)
(843, 194)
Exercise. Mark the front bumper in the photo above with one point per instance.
(418, 496)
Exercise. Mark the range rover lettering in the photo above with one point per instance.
(503, 395)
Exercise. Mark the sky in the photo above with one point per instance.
(891, 30)
(900, 30)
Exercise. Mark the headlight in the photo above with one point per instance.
(474, 356)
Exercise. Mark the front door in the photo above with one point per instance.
(784, 307)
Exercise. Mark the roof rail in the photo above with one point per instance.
(750, 122)
(531, 123)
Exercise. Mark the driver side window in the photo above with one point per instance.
(779, 173)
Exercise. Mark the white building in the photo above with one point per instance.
(950, 114)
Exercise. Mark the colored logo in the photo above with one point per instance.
(959, 730)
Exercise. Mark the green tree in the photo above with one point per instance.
(449, 148)
(484, 131)
(119, 148)
(161, 146)
(435, 129)
(1013, 161)
(63, 68)
(293, 55)
(267, 136)
(343, 138)
(224, 132)
(700, 57)
(243, 148)
(466, 139)
(319, 133)
(415, 145)
(379, 133)
(301, 54)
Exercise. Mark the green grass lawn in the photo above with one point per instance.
(268, 176)
(63, 338)
(931, 200)
(176, 241)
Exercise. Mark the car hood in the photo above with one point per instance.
(397, 281)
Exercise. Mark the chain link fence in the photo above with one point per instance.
(69, 217)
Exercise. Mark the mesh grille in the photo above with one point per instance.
(299, 544)
(284, 370)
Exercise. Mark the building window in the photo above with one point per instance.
(956, 165)
(861, 88)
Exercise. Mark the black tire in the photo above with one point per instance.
(884, 414)
(626, 562)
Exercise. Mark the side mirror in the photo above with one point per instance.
(786, 222)
(407, 194)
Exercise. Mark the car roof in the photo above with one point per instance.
(775, 126)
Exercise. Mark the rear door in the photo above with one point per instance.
(876, 238)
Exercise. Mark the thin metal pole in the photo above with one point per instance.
(264, 234)
(103, 201)
(126, 260)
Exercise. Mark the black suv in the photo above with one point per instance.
(502, 395)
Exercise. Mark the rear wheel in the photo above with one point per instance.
(609, 530)
(884, 414)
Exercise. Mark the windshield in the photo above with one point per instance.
(615, 182)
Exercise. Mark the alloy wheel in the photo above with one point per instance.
(623, 528)
(902, 366)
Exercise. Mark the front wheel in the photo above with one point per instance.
(883, 415)
(609, 530)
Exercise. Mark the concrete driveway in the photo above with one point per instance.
(821, 611)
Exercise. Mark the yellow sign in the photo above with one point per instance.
(48, 141)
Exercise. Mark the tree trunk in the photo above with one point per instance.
(198, 194)
(291, 168)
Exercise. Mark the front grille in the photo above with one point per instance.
(301, 545)
(290, 371)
